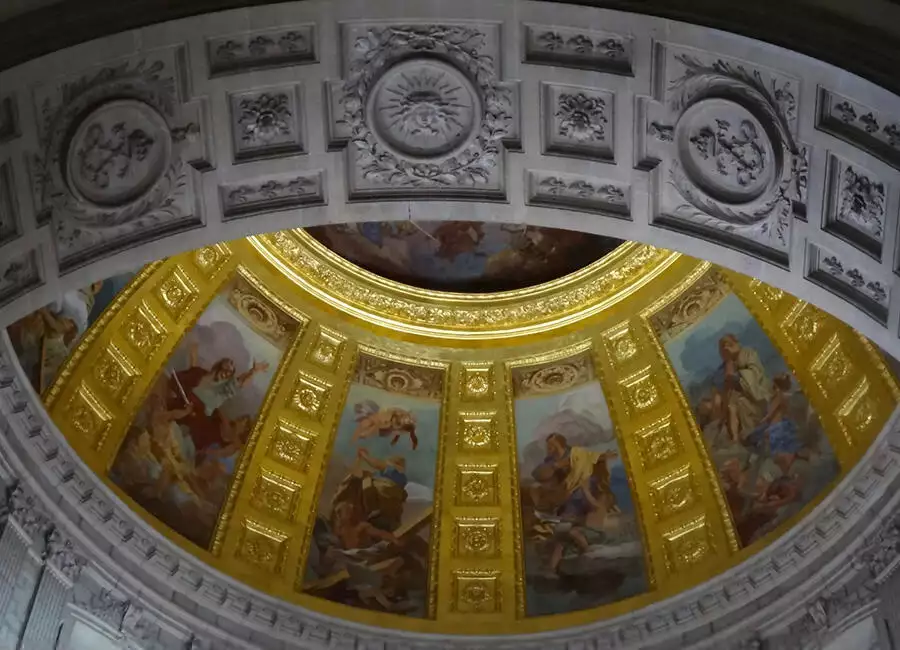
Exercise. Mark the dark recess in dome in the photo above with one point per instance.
(464, 256)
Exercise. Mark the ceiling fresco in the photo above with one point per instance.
(464, 256)
(594, 446)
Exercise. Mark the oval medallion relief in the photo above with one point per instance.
(118, 154)
(726, 151)
(424, 108)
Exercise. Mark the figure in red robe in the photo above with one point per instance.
(207, 390)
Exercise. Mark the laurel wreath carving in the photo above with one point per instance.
(776, 106)
(461, 46)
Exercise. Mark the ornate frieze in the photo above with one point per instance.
(578, 48)
(293, 45)
(723, 150)
(849, 281)
(422, 110)
(875, 132)
(856, 207)
(578, 122)
(284, 192)
(267, 123)
(575, 192)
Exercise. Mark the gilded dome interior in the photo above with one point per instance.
(464, 256)
(408, 443)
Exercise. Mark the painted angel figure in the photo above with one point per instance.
(372, 420)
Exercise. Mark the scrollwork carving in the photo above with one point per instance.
(270, 195)
(24, 510)
(286, 46)
(577, 48)
(578, 192)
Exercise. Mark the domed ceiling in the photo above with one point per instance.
(630, 424)
(464, 256)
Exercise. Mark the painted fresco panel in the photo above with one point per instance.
(44, 338)
(372, 533)
(582, 541)
(464, 256)
(183, 447)
(764, 438)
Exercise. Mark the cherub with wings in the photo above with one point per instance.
(373, 421)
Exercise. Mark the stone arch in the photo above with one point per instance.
(632, 126)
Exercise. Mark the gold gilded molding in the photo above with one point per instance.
(291, 445)
(309, 396)
(476, 537)
(661, 452)
(477, 592)
(477, 565)
(362, 294)
(121, 355)
(262, 547)
(657, 443)
(673, 493)
(476, 485)
(327, 349)
(176, 292)
(843, 376)
(275, 495)
(477, 384)
(688, 545)
(477, 545)
(477, 432)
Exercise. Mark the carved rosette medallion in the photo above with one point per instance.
(735, 167)
(423, 110)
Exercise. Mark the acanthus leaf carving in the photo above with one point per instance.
(264, 117)
(292, 45)
(581, 117)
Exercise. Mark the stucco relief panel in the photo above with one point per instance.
(119, 149)
(422, 110)
(857, 285)
(720, 139)
(267, 123)
(856, 205)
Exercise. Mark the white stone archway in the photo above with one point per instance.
(248, 121)
(819, 220)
